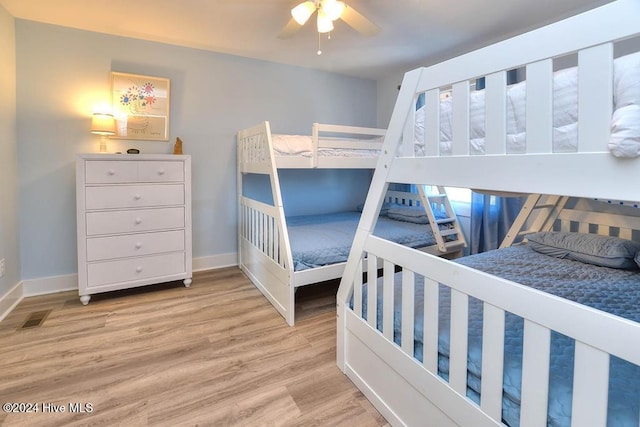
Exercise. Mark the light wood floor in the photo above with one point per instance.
(213, 354)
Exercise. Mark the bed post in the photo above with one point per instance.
(284, 235)
(377, 191)
(269, 271)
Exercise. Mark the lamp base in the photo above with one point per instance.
(103, 144)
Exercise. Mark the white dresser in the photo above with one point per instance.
(134, 221)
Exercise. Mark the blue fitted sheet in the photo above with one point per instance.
(611, 290)
(318, 240)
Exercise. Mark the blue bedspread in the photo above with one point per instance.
(318, 240)
(611, 290)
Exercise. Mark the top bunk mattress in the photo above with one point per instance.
(302, 145)
(625, 122)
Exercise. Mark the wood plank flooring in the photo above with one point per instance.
(214, 354)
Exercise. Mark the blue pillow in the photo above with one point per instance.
(605, 251)
(415, 214)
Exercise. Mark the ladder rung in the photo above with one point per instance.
(522, 233)
(448, 232)
(445, 220)
(454, 244)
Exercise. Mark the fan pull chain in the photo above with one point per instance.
(319, 36)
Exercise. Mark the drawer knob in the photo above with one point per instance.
(137, 197)
(138, 220)
(138, 245)
(161, 172)
(111, 172)
(138, 269)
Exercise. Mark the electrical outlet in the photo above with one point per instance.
(1, 267)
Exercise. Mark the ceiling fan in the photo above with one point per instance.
(327, 12)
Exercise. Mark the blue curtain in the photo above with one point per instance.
(491, 218)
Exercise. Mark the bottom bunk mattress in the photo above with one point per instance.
(318, 240)
(611, 290)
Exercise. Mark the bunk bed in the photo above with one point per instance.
(280, 254)
(431, 340)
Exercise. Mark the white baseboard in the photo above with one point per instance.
(50, 285)
(9, 301)
(215, 261)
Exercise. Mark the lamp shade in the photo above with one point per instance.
(303, 11)
(324, 24)
(333, 9)
(103, 124)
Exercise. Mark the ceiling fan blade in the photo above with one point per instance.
(355, 20)
(289, 30)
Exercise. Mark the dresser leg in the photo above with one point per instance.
(84, 299)
(187, 282)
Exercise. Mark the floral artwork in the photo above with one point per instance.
(140, 106)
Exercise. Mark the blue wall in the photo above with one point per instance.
(316, 191)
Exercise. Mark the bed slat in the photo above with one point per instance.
(583, 228)
(539, 107)
(496, 113)
(372, 290)
(590, 386)
(408, 292)
(431, 313)
(357, 291)
(595, 92)
(492, 361)
(352, 145)
(387, 299)
(432, 123)
(460, 118)
(458, 342)
(625, 233)
(535, 375)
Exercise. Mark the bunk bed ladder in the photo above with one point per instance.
(447, 230)
(538, 213)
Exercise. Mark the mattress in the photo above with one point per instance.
(611, 290)
(302, 145)
(625, 122)
(318, 240)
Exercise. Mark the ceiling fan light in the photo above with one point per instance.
(303, 11)
(324, 24)
(333, 9)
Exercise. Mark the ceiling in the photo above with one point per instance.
(412, 32)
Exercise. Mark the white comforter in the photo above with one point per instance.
(625, 122)
(302, 145)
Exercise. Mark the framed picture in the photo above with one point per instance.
(140, 106)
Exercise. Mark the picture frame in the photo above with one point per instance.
(140, 106)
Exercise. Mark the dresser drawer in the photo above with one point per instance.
(158, 171)
(132, 196)
(128, 245)
(108, 172)
(126, 270)
(136, 220)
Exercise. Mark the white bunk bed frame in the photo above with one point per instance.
(408, 392)
(264, 249)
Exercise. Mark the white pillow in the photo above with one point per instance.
(626, 80)
(625, 132)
